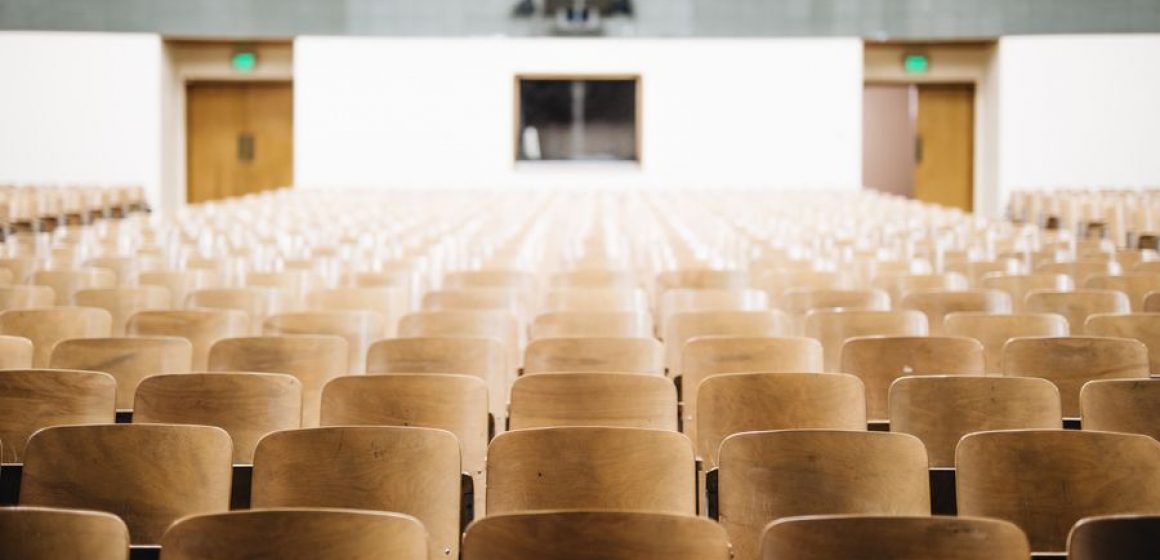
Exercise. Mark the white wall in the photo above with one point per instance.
(439, 112)
(1079, 111)
(78, 108)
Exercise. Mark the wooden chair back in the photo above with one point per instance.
(595, 355)
(257, 303)
(358, 328)
(901, 285)
(389, 302)
(593, 399)
(48, 326)
(1122, 537)
(937, 304)
(1019, 285)
(1144, 327)
(15, 352)
(879, 360)
(26, 297)
(180, 283)
(32, 533)
(683, 327)
(1070, 362)
(65, 283)
(833, 328)
(123, 302)
(128, 360)
(600, 279)
(499, 325)
(1077, 306)
(1121, 405)
(484, 358)
(567, 324)
(39, 398)
(1135, 285)
(842, 537)
(606, 300)
(201, 327)
(994, 330)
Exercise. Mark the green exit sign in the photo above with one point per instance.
(244, 61)
(916, 63)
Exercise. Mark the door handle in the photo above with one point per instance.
(245, 147)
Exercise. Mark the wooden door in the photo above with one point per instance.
(944, 171)
(240, 138)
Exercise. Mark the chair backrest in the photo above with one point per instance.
(123, 302)
(26, 297)
(179, 283)
(1135, 285)
(476, 299)
(1046, 480)
(564, 324)
(937, 304)
(685, 300)
(732, 403)
(593, 399)
(1119, 537)
(1019, 285)
(201, 327)
(591, 468)
(484, 358)
(313, 359)
(1081, 270)
(994, 330)
(765, 476)
(389, 302)
(879, 360)
(66, 283)
(15, 352)
(32, 533)
(940, 410)
(128, 360)
(1069, 362)
(149, 475)
(359, 328)
(384, 468)
(46, 327)
(246, 405)
(595, 535)
(833, 327)
(901, 285)
(596, 299)
(1077, 306)
(296, 534)
(499, 325)
(595, 355)
(595, 279)
(35, 399)
(701, 279)
(683, 327)
(798, 302)
(1121, 405)
(257, 303)
(842, 537)
(1144, 327)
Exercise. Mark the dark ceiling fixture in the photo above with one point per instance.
(574, 17)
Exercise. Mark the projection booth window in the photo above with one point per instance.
(577, 119)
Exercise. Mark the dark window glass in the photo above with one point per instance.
(586, 120)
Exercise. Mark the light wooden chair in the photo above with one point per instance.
(595, 355)
(900, 285)
(1151, 302)
(595, 535)
(409, 470)
(565, 324)
(591, 468)
(779, 283)
(1070, 362)
(1121, 405)
(358, 328)
(125, 269)
(685, 300)
(765, 476)
(128, 360)
(484, 358)
(32, 399)
(389, 302)
(853, 537)
(593, 399)
(994, 330)
(26, 297)
(180, 283)
(1135, 285)
(477, 299)
(15, 352)
(123, 302)
(976, 271)
(1078, 305)
(798, 302)
(256, 303)
(201, 327)
(115, 468)
(596, 300)
(940, 410)
(1119, 537)
(246, 405)
(32, 533)
(500, 325)
(22, 268)
(1144, 327)
(46, 327)
(1046, 480)
(732, 403)
(601, 279)
(701, 279)
(291, 285)
(296, 534)
(1019, 285)
(832, 328)
(1081, 270)
(456, 403)
(66, 283)
(937, 304)
(683, 327)
(313, 359)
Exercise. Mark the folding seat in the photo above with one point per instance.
(1046, 480)
(128, 360)
(833, 327)
(994, 330)
(1069, 362)
(593, 399)
(899, 285)
(15, 352)
(414, 471)
(937, 304)
(149, 475)
(595, 299)
(590, 468)
(246, 405)
(477, 299)
(1151, 302)
(35, 399)
(564, 324)
(389, 302)
(522, 282)
(201, 327)
(595, 535)
(779, 283)
(500, 325)
(66, 283)
(765, 476)
(33, 533)
(683, 327)
(292, 285)
(180, 283)
(1118, 537)
(123, 302)
(1135, 285)
(26, 297)
(875, 537)
(125, 269)
(1077, 305)
(358, 328)
(941, 409)
(48, 326)
(313, 359)
(1019, 285)
(685, 300)
(595, 355)
(701, 279)
(1080, 270)
(22, 268)
(976, 271)
(799, 301)
(257, 303)
(601, 279)
(484, 358)
(1121, 405)
(732, 403)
